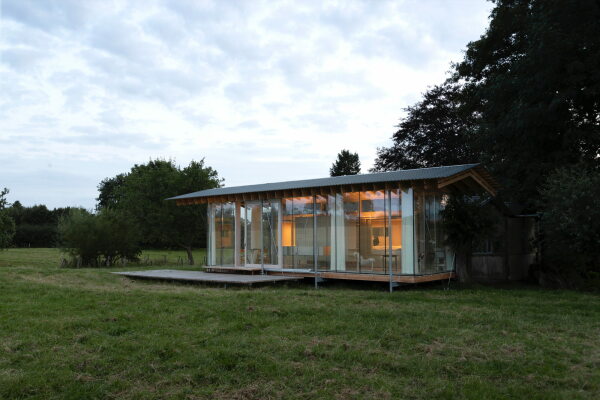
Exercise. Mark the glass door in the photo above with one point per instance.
(261, 230)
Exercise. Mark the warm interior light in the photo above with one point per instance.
(287, 237)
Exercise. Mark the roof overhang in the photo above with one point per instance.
(472, 180)
(469, 178)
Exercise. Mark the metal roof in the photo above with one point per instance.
(392, 176)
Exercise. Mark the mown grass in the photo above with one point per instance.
(85, 333)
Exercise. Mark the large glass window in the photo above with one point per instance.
(228, 234)
(360, 232)
(325, 221)
(270, 232)
(373, 235)
(351, 230)
(211, 247)
(432, 254)
(288, 241)
(395, 230)
(242, 235)
(222, 234)
(297, 232)
(253, 233)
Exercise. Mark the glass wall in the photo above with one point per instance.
(253, 234)
(243, 225)
(325, 222)
(408, 233)
(288, 242)
(395, 232)
(270, 232)
(372, 232)
(297, 227)
(359, 232)
(432, 254)
(351, 230)
(222, 235)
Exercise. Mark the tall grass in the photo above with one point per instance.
(86, 333)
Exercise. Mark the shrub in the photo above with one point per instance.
(466, 220)
(571, 226)
(98, 239)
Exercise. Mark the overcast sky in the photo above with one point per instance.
(262, 90)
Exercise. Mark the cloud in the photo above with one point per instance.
(263, 90)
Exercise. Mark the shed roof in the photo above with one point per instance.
(392, 176)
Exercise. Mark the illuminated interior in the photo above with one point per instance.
(394, 231)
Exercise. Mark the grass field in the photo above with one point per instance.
(85, 333)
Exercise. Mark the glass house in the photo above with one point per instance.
(382, 226)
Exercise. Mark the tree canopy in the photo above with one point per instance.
(436, 131)
(525, 100)
(347, 163)
(534, 77)
(140, 194)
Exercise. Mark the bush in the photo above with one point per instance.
(571, 226)
(466, 220)
(98, 239)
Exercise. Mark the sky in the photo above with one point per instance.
(263, 91)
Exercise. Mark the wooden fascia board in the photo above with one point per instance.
(465, 175)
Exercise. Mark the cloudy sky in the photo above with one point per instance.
(262, 90)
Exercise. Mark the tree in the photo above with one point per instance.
(534, 78)
(141, 195)
(99, 239)
(571, 225)
(346, 164)
(35, 226)
(465, 221)
(109, 191)
(7, 224)
(525, 100)
(438, 130)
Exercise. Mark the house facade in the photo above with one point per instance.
(378, 227)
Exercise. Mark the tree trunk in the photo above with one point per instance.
(463, 264)
(190, 256)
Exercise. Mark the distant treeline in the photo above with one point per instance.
(36, 226)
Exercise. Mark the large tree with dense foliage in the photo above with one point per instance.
(571, 225)
(347, 163)
(141, 194)
(109, 191)
(534, 78)
(438, 130)
(525, 100)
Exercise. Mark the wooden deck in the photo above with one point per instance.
(370, 277)
(355, 276)
(207, 277)
(243, 270)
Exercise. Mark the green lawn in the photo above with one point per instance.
(85, 333)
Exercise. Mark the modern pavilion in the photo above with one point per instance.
(378, 227)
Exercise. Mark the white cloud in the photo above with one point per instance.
(263, 90)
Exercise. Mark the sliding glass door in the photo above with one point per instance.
(261, 233)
